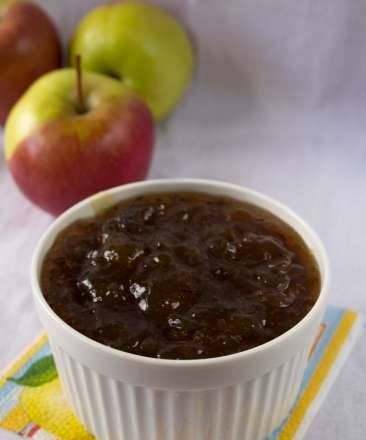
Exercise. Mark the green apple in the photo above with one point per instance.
(143, 46)
(64, 142)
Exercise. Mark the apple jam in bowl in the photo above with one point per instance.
(180, 309)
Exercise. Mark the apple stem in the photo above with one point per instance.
(79, 85)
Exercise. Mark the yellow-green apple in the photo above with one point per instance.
(29, 47)
(65, 141)
(142, 45)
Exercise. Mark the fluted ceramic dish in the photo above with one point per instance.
(122, 396)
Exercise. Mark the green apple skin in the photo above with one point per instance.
(141, 45)
(58, 155)
(29, 47)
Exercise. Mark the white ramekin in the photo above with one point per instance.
(121, 396)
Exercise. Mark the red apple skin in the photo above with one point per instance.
(29, 47)
(59, 165)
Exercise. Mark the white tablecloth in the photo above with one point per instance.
(278, 104)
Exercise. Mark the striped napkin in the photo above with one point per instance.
(32, 404)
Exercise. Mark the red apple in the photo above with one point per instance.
(29, 47)
(64, 142)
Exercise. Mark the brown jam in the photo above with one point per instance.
(181, 276)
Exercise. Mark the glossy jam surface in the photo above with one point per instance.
(180, 276)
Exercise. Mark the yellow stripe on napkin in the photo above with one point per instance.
(292, 425)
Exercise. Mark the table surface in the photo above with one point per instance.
(288, 133)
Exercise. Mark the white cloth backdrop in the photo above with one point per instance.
(278, 103)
